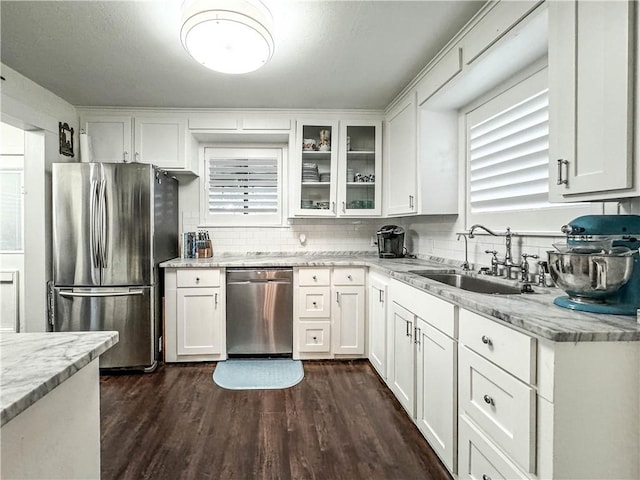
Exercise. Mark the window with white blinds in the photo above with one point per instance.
(243, 185)
(509, 157)
(11, 211)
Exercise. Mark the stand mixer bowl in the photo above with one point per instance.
(590, 277)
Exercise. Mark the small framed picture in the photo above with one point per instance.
(66, 139)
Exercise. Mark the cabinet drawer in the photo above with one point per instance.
(309, 277)
(500, 405)
(314, 337)
(314, 302)
(507, 348)
(348, 276)
(197, 277)
(478, 459)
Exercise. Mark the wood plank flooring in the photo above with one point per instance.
(340, 422)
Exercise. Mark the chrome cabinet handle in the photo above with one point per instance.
(124, 157)
(333, 207)
(417, 332)
(137, 157)
(408, 330)
(380, 296)
(344, 207)
(337, 297)
(563, 181)
(486, 340)
(215, 299)
(411, 202)
(488, 400)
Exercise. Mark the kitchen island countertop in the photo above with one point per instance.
(534, 314)
(33, 364)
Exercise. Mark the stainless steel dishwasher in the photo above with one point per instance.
(260, 311)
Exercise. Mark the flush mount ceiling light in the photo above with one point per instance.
(228, 36)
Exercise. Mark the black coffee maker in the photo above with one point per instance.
(391, 241)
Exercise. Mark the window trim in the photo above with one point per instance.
(208, 219)
(529, 221)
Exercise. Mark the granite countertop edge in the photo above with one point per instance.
(534, 314)
(32, 366)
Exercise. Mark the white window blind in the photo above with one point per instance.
(509, 157)
(11, 211)
(243, 186)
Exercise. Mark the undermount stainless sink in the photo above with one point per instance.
(471, 284)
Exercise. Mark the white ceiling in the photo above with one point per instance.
(329, 54)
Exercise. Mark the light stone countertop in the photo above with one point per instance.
(534, 314)
(33, 364)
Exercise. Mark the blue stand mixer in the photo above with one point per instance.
(599, 267)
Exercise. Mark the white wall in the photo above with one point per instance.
(36, 110)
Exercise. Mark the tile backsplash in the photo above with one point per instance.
(425, 236)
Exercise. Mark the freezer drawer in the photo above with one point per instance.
(128, 310)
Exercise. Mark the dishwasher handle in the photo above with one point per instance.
(260, 280)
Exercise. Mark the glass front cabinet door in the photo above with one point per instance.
(360, 167)
(338, 169)
(318, 168)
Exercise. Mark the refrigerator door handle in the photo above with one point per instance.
(93, 219)
(128, 293)
(103, 224)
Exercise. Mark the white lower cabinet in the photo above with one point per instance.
(330, 312)
(401, 373)
(422, 365)
(198, 321)
(194, 323)
(479, 460)
(378, 286)
(436, 415)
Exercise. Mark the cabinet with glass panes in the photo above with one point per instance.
(338, 169)
(360, 181)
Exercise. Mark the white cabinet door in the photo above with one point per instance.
(401, 367)
(360, 168)
(590, 99)
(436, 414)
(109, 137)
(348, 320)
(199, 320)
(315, 169)
(400, 173)
(378, 325)
(161, 141)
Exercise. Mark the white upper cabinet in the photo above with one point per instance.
(110, 138)
(161, 141)
(591, 58)
(337, 168)
(157, 140)
(400, 173)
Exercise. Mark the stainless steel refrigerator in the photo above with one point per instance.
(113, 223)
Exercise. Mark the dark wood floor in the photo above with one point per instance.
(340, 422)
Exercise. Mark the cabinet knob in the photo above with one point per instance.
(315, 278)
(349, 277)
(486, 340)
(197, 279)
(314, 304)
(488, 400)
(485, 477)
